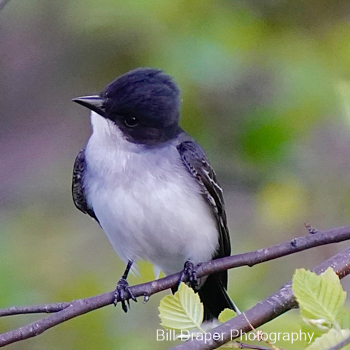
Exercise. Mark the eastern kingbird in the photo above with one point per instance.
(149, 185)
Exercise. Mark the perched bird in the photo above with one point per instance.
(149, 185)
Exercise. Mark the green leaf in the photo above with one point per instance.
(310, 329)
(330, 339)
(183, 310)
(320, 298)
(226, 315)
(344, 318)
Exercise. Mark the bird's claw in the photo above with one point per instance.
(189, 274)
(121, 294)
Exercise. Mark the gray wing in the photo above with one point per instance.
(213, 292)
(196, 163)
(78, 192)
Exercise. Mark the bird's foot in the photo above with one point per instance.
(189, 274)
(122, 290)
(123, 294)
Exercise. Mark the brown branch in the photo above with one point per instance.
(66, 311)
(264, 311)
(33, 309)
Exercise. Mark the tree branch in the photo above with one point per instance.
(66, 311)
(33, 309)
(264, 311)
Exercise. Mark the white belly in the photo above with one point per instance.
(148, 204)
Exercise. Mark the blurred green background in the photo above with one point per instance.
(265, 88)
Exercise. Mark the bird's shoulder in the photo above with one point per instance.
(78, 190)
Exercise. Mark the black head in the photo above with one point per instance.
(143, 103)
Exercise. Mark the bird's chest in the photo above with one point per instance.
(150, 208)
(134, 180)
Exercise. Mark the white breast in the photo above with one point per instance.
(146, 201)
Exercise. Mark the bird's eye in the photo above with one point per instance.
(131, 122)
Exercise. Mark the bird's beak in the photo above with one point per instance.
(95, 103)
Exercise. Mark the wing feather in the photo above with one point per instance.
(78, 192)
(196, 163)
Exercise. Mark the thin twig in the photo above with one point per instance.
(33, 309)
(82, 306)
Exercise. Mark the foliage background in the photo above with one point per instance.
(265, 91)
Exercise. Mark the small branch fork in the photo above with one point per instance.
(264, 311)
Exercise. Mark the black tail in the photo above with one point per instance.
(214, 296)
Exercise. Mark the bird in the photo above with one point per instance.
(149, 184)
